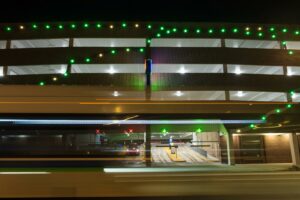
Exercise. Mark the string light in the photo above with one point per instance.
(98, 25)
(21, 27)
(149, 26)
(111, 26)
(136, 25)
(72, 61)
(42, 83)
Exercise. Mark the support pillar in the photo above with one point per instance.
(230, 149)
(294, 149)
(148, 145)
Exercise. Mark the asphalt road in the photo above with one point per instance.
(187, 185)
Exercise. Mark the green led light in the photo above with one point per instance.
(185, 30)
(291, 52)
(248, 33)
(263, 118)
(34, 26)
(87, 60)
(42, 83)
(164, 130)
(158, 35)
(260, 34)
(235, 30)
(124, 25)
(297, 32)
(223, 30)
(289, 106)
(283, 42)
(162, 28)
(210, 31)
(148, 41)
(273, 36)
(66, 74)
(73, 26)
(174, 30)
(168, 32)
(198, 130)
(98, 25)
(252, 125)
(278, 110)
(86, 25)
(47, 26)
(198, 31)
(292, 93)
(272, 29)
(284, 30)
(8, 28)
(141, 50)
(113, 52)
(149, 26)
(72, 61)
(60, 26)
(127, 49)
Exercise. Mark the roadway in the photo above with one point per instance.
(154, 185)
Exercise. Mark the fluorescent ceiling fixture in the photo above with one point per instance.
(97, 122)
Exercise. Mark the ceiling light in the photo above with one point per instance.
(116, 94)
(111, 70)
(178, 93)
(240, 94)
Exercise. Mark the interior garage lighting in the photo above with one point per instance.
(240, 94)
(178, 93)
(116, 94)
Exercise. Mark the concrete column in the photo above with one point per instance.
(294, 149)
(230, 149)
(148, 145)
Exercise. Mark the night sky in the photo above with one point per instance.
(245, 11)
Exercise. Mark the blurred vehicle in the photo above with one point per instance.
(133, 150)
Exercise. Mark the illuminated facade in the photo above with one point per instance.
(211, 91)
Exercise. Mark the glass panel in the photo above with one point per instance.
(293, 45)
(187, 68)
(108, 68)
(258, 44)
(255, 69)
(1, 71)
(37, 69)
(2, 44)
(293, 71)
(188, 95)
(257, 96)
(296, 97)
(39, 43)
(109, 42)
(186, 43)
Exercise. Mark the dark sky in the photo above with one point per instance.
(253, 11)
